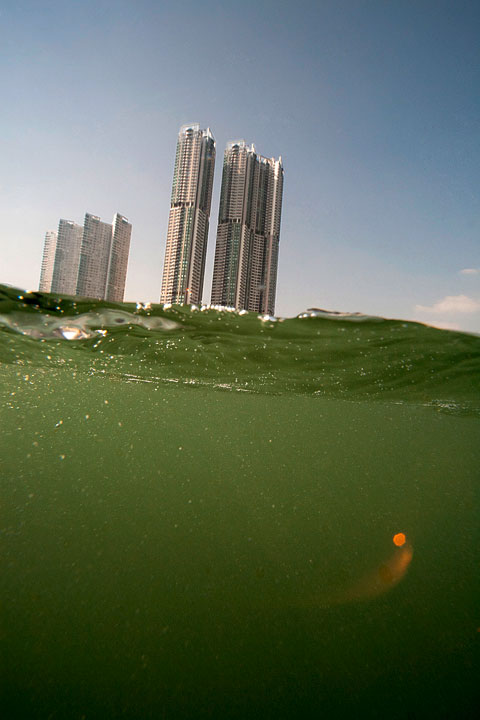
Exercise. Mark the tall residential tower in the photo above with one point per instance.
(67, 257)
(187, 234)
(94, 257)
(248, 234)
(48, 261)
(118, 260)
(104, 258)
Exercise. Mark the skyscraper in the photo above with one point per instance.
(48, 261)
(104, 258)
(117, 268)
(248, 234)
(187, 234)
(94, 258)
(65, 269)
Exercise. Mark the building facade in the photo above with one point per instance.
(118, 260)
(67, 255)
(248, 234)
(48, 261)
(94, 258)
(188, 222)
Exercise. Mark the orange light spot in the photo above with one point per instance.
(399, 539)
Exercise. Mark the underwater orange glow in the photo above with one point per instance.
(399, 539)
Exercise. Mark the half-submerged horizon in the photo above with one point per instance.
(29, 297)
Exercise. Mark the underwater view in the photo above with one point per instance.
(212, 514)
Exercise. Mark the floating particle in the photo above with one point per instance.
(399, 539)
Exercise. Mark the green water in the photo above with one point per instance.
(199, 506)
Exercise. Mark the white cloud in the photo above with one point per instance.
(450, 305)
(470, 271)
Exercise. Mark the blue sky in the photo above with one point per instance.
(374, 106)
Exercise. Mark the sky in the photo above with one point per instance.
(374, 106)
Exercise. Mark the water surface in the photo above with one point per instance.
(200, 506)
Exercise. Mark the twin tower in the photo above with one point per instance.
(246, 254)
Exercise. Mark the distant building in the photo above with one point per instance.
(248, 234)
(188, 222)
(94, 258)
(89, 261)
(67, 255)
(48, 261)
(118, 262)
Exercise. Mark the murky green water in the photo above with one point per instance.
(199, 512)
